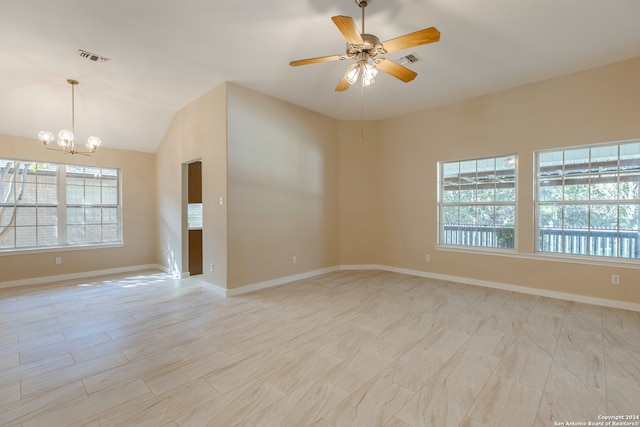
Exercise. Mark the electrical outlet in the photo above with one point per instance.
(427, 257)
(615, 279)
(211, 267)
(295, 259)
(58, 260)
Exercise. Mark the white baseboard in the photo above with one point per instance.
(364, 267)
(288, 279)
(267, 284)
(82, 275)
(219, 290)
(458, 279)
(502, 286)
(174, 274)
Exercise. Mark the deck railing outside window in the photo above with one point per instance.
(599, 242)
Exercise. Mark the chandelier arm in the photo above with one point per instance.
(83, 153)
(70, 151)
(55, 149)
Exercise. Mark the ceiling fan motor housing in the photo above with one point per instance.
(370, 46)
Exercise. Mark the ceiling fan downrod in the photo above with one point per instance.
(362, 4)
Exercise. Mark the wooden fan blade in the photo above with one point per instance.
(396, 70)
(348, 29)
(343, 85)
(316, 60)
(428, 35)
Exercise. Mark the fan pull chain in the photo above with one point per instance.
(361, 113)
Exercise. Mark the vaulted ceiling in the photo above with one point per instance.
(166, 53)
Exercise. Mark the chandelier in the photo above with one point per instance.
(66, 138)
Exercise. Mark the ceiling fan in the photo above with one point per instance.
(365, 48)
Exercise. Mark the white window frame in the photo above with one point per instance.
(61, 209)
(569, 234)
(488, 237)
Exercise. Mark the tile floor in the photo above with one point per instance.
(351, 348)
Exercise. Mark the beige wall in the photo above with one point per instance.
(597, 105)
(283, 188)
(276, 167)
(197, 132)
(361, 238)
(139, 214)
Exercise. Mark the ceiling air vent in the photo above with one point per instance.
(408, 59)
(93, 56)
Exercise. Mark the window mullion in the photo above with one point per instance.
(62, 205)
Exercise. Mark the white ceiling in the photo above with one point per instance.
(166, 53)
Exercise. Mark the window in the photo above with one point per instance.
(28, 204)
(194, 216)
(588, 200)
(477, 202)
(51, 205)
(92, 205)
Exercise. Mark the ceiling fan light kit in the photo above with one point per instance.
(362, 67)
(364, 49)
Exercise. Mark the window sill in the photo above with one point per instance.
(67, 248)
(552, 257)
